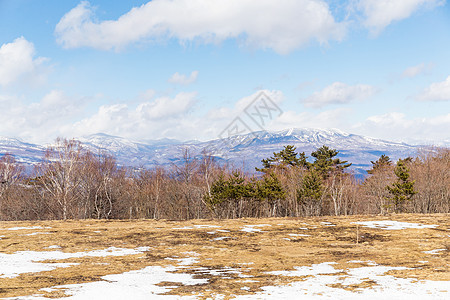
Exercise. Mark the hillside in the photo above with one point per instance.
(354, 257)
(241, 150)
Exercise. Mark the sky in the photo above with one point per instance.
(186, 69)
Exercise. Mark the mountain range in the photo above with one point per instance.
(242, 151)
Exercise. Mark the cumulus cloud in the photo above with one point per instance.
(147, 119)
(283, 25)
(178, 78)
(17, 59)
(379, 14)
(438, 91)
(397, 126)
(339, 93)
(172, 117)
(334, 118)
(37, 121)
(416, 70)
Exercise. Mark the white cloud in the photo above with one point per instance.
(335, 118)
(166, 107)
(17, 59)
(381, 13)
(438, 91)
(178, 78)
(398, 127)
(283, 25)
(158, 118)
(38, 121)
(416, 70)
(339, 93)
(164, 117)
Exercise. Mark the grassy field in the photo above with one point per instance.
(234, 257)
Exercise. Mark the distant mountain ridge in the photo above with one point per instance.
(240, 150)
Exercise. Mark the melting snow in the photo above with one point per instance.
(225, 272)
(186, 261)
(394, 225)
(36, 233)
(198, 227)
(54, 247)
(136, 285)
(12, 265)
(323, 268)
(25, 228)
(368, 262)
(251, 228)
(221, 238)
(385, 287)
(327, 224)
(207, 226)
(435, 251)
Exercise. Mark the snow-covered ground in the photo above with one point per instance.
(320, 285)
(394, 225)
(363, 280)
(252, 228)
(136, 285)
(12, 265)
(321, 281)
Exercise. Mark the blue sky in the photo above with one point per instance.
(185, 69)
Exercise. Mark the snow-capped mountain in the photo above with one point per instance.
(25, 153)
(240, 150)
(359, 150)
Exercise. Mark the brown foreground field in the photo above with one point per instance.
(235, 257)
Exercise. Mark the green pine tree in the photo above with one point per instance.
(287, 157)
(270, 189)
(234, 188)
(402, 189)
(382, 163)
(311, 192)
(325, 162)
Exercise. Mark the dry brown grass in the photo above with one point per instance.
(252, 253)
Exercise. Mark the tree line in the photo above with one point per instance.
(71, 182)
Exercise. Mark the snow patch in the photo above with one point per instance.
(327, 224)
(385, 286)
(368, 262)
(394, 225)
(36, 233)
(12, 265)
(54, 247)
(27, 228)
(186, 261)
(323, 268)
(222, 238)
(435, 251)
(136, 285)
(207, 226)
(252, 229)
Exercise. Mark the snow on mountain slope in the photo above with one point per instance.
(248, 150)
(241, 150)
(23, 152)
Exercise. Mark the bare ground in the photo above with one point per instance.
(225, 251)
